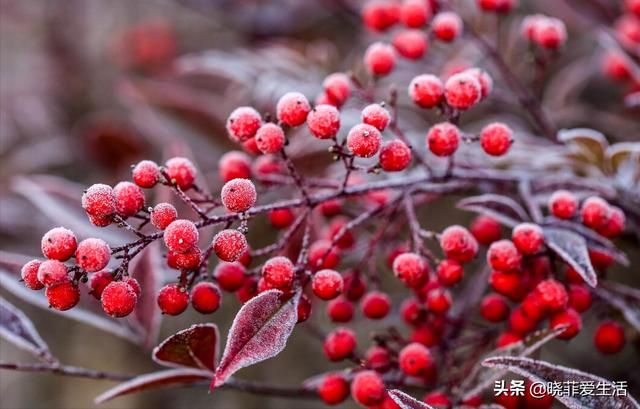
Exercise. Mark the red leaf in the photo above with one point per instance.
(195, 347)
(407, 402)
(146, 268)
(259, 331)
(18, 329)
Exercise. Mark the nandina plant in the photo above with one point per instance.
(471, 300)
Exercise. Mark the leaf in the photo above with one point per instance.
(155, 380)
(259, 331)
(589, 143)
(18, 329)
(407, 402)
(621, 152)
(572, 248)
(195, 347)
(541, 371)
(623, 298)
(502, 208)
(146, 268)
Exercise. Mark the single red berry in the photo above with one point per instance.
(615, 65)
(411, 44)
(230, 276)
(412, 269)
(379, 59)
(98, 282)
(129, 199)
(238, 195)
(395, 252)
(292, 109)
(600, 260)
(333, 389)
(367, 388)
(533, 306)
(278, 272)
(375, 305)
(29, 274)
(118, 299)
(379, 15)
(552, 295)
(63, 296)
(330, 207)
(205, 297)
(234, 165)
(495, 6)
(251, 147)
(146, 174)
(609, 337)
(243, 123)
(415, 13)
(595, 212)
(343, 239)
(281, 218)
(58, 244)
(376, 115)
(324, 121)
(354, 287)
(627, 30)
(494, 308)
(443, 139)
(229, 245)
(504, 256)
(528, 238)
(520, 323)
(173, 299)
(458, 244)
(337, 87)
(438, 301)
(248, 290)
(340, 310)
(472, 401)
(566, 317)
(496, 139)
(484, 79)
(188, 260)
(579, 297)
(339, 344)
(449, 272)
(134, 284)
(181, 171)
(507, 338)
(563, 204)
(508, 284)
(327, 284)
(446, 26)
(485, 229)
(93, 254)
(462, 91)
(100, 221)
(426, 90)
(304, 308)
(322, 255)
(437, 400)
(270, 138)
(426, 335)
(550, 33)
(415, 359)
(52, 272)
(266, 165)
(162, 215)
(395, 156)
(615, 224)
(99, 201)
(364, 140)
(633, 6)
(181, 235)
(412, 311)
(378, 359)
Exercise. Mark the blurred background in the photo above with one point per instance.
(89, 87)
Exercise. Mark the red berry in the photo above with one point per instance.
(324, 121)
(520, 323)
(462, 91)
(234, 165)
(437, 399)
(395, 156)
(415, 359)
(327, 284)
(378, 359)
(146, 174)
(494, 308)
(446, 26)
(376, 115)
(278, 272)
(129, 199)
(181, 235)
(507, 284)
(243, 123)
(549, 33)
(627, 30)
(98, 282)
(443, 139)
(93, 254)
(615, 65)
(528, 238)
(189, 260)
(595, 212)
(63, 296)
(134, 284)
(339, 344)
(485, 229)
(229, 245)
(412, 311)
(533, 306)
(118, 299)
(367, 388)
(238, 195)
(29, 274)
(162, 215)
(364, 140)
(205, 297)
(354, 287)
(609, 337)
(52, 272)
(281, 218)
(340, 310)
(304, 308)
(415, 13)
(458, 244)
(563, 204)
(99, 201)
(100, 221)
(615, 224)
(633, 6)
(412, 269)
(320, 249)
(552, 295)
(336, 227)
(449, 272)
(230, 276)
(504, 256)
(496, 6)
(379, 59)
(173, 299)
(248, 290)
(292, 109)
(438, 301)
(567, 317)
(600, 260)
(266, 165)
(411, 44)
(250, 146)
(58, 244)
(181, 171)
(337, 87)
(375, 305)
(270, 138)
(507, 338)
(333, 389)
(496, 139)
(579, 297)
(485, 80)
(426, 336)
(426, 90)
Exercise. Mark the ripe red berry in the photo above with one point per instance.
(230, 276)
(415, 13)
(250, 146)
(292, 109)
(446, 26)
(337, 87)
(324, 121)
(93, 254)
(528, 238)
(162, 215)
(595, 212)
(437, 400)
(496, 6)
(507, 338)
(438, 301)
(129, 199)
(615, 224)
(412, 311)
(63, 296)
(375, 305)
(367, 388)
(98, 282)
(146, 174)
(458, 244)
(415, 359)
(58, 244)
(378, 359)
(278, 272)
(411, 44)
(609, 337)
(569, 317)
(484, 79)
(494, 308)
(181, 171)
(340, 310)
(281, 218)
(485, 229)
(449, 272)
(229, 245)
(412, 269)
(333, 389)
(270, 138)
(205, 297)
(552, 295)
(99, 201)
(426, 335)
(327, 284)
(615, 65)
(504, 256)
(320, 249)
(536, 399)
(266, 165)
(181, 235)
(521, 323)
(376, 115)
(188, 260)
(173, 299)
(379, 59)
(234, 165)
(52, 272)
(462, 91)
(426, 90)
(248, 290)
(443, 139)
(579, 297)
(549, 32)
(379, 15)
(533, 306)
(118, 299)
(134, 284)
(563, 204)
(496, 139)
(339, 344)
(243, 123)
(29, 274)
(632, 6)
(364, 140)
(395, 156)
(599, 259)
(238, 195)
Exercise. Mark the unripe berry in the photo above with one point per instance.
(579, 297)
(188, 260)
(504, 256)
(98, 282)
(426, 90)
(238, 195)
(563, 204)
(506, 339)
(234, 165)
(415, 359)
(379, 15)
(93, 255)
(281, 218)
(317, 251)
(484, 79)
(173, 299)
(443, 139)
(412, 311)
(162, 215)
(63, 296)
(521, 323)
(129, 199)
(327, 284)
(182, 171)
(99, 201)
(278, 272)
(415, 13)
(367, 388)
(494, 308)
(333, 389)
(609, 337)
(528, 238)
(485, 229)
(354, 287)
(567, 317)
(411, 44)
(412, 269)
(375, 305)
(324, 121)
(437, 399)
(29, 274)
(376, 115)
(449, 272)
(379, 59)
(615, 224)
(181, 235)
(146, 174)
(52, 272)
(243, 123)
(229, 245)
(230, 276)
(458, 244)
(337, 87)
(364, 140)
(339, 344)
(58, 244)
(205, 297)
(292, 109)
(595, 212)
(496, 139)
(118, 299)
(340, 310)
(550, 33)
(395, 156)
(378, 359)
(462, 91)
(507, 283)
(270, 138)
(552, 295)
(304, 308)
(446, 26)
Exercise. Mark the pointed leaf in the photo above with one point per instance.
(405, 401)
(259, 331)
(18, 329)
(541, 371)
(502, 208)
(195, 347)
(146, 268)
(590, 143)
(620, 153)
(572, 248)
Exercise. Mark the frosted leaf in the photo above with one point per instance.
(407, 402)
(196, 347)
(18, 329)
(572, 248)
(502, 208)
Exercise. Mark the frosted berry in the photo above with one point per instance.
(58, 244)
(93, 254)
(99, 201)
(173, 299)
(375, 305)
(609, 337)
(376, 115)
(438, 301)
(615, 223)
(379, 59)
(579, 297)
(567, 317)
(379, 15)
(100, 221)
(129, 199)
(496, 139)
(528, 238)
(446, 26)
(462, 91)
(415, 13)
(411, 44)
(146, 174)
(118, 299)
(322, 255)
(354, 287)
(458, 244)
(484, 79)
(415, 359)
(364, 140)
(337, 87)
(205, 297)
(63, 296)
(595, 212)
(504, 256)
(181, 172)
(426, 90)
(52, 272)
(270, 138)
(395, 156)
(281, 218)
(378, 359)
(494, 308)
(230, 276)
(327, 284)
(324, 121)
(339, 344)
(243, 123)
(367, 388)
(333, 389)
(292, 109)
(267, 165)
(563, 204)
(188, 260)
(449, 272)
(29, 275)
(162, 215)
(134, 284)
(443, 139)
(98, 282)
(550, 33)
(552, 295)
(238, 195)
(336, 227)
(229, 245)
(181, 235)
(412, 311)
(485, 229)
(234, 165)
(250, 146)
(412, 269)
(278, 272)
(340, 310)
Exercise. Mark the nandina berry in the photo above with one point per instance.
(99, 201)
(437, 400)
(181, 172)
(579, 297)
(529, 25)
(292, 109)
(234, 165)
(134, 284)
(58, 244)
(324, 121)
(378, 359)
(533, 306)
(615, 65)
(162, 215)
(29, 275)
(495, 6)
(250, 146)
(615, 224)
(52, 272)
(337, 87)
(627, 30)
(462, 91)
(595, 212)
(426, 90)
(354, 287)
(395, 156)
(507, 284)
(173, 299)
(238, 195)
(205, 297)
(304, 308)
(485, 229)
(118, 299)
(563, 204)
(367, 388)
(552, 295)
(484, 79)
(379, 59)
(278, 272)
(230, 276)
(504, 256)
(243, 123)
(266, 165)
(600, 260)
(412, 269)
(415, 359)
(395, 252)
(346, 240)
(333, 388)
(449, 272)
(438, 301)
(340, 310)
(189, 260)
(458, 244)
(426, 335)
(379, 15)
(520, 323)
(528, 238)
(63, 296)
(496, 139)
(339, 344)
(443, 139)
(281, 218)
(146, 174)
(229, 245)
(507, 338)
(93, 254)
(376, 115)
(446, 26)
(323, 255)
(412, 311)
(375, 305)
(327, 284)
(270, 138)
(569, 317)
(609, 337)
(181, 235)
(415, 13)
(411, 44)
(98, 282)
(364, 140)
(549, 32)
(129, 199)
(248, 290)
(494, 308)
(633, 6)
